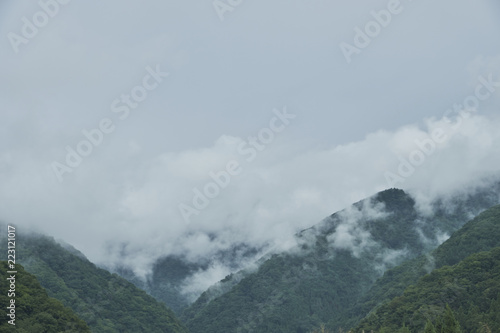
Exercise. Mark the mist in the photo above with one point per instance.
(130, 215)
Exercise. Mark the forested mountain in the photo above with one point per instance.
(34, 311)
(471, 288)
(170, 274)
(480, 234)
(335, 264)
(366, 267)
(105, 301)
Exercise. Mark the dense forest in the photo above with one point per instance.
(480, 234)
(105, 301)
(35, 311)
(471, 289)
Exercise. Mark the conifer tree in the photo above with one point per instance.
(448, 322)
(429, 327)
(404, 329)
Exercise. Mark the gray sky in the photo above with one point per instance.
(353, 120)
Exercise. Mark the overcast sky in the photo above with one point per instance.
(350, 119)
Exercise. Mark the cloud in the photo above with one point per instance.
(194, 285)
(388, 258)
(351, 233)
(126, 210)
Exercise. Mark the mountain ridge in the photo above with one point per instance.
(388, 239)
(105, 301)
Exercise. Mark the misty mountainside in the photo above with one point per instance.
(334, 264)
(105, 301)
(171, 275)
(466, 276)
(34, 310)
(480, 234)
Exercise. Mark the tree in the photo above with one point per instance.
(429, 327)
(321, 329)
(448, 323)
(485, 328)
(404, 329)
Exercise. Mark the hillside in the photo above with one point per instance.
(354, 263)
(480, 234)
(334, 265)
(105, 301)
(471, 288)
(35, 311)
(169, 274)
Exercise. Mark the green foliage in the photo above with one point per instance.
(448, 323)
(105, 301)
(286, 294)
(471, 288)
(404, 329)
(321, 329)
(429, 327)
(35, 311)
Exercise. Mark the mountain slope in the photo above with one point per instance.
(335, 263)
(471, 288)
(34, 310)
(480, 234)
(105, 301)
(170, 274)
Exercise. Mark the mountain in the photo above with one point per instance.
(348, 270)
(170, 274)
(334, 265)
(33, 310)
(480, 234)
(166, 280)
(471, 288)
(105, 301)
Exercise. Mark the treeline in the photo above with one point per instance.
(446, 323)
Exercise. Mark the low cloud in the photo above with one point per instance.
(125, 210)
(194, 285)
(388, 258)
(351, 233)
